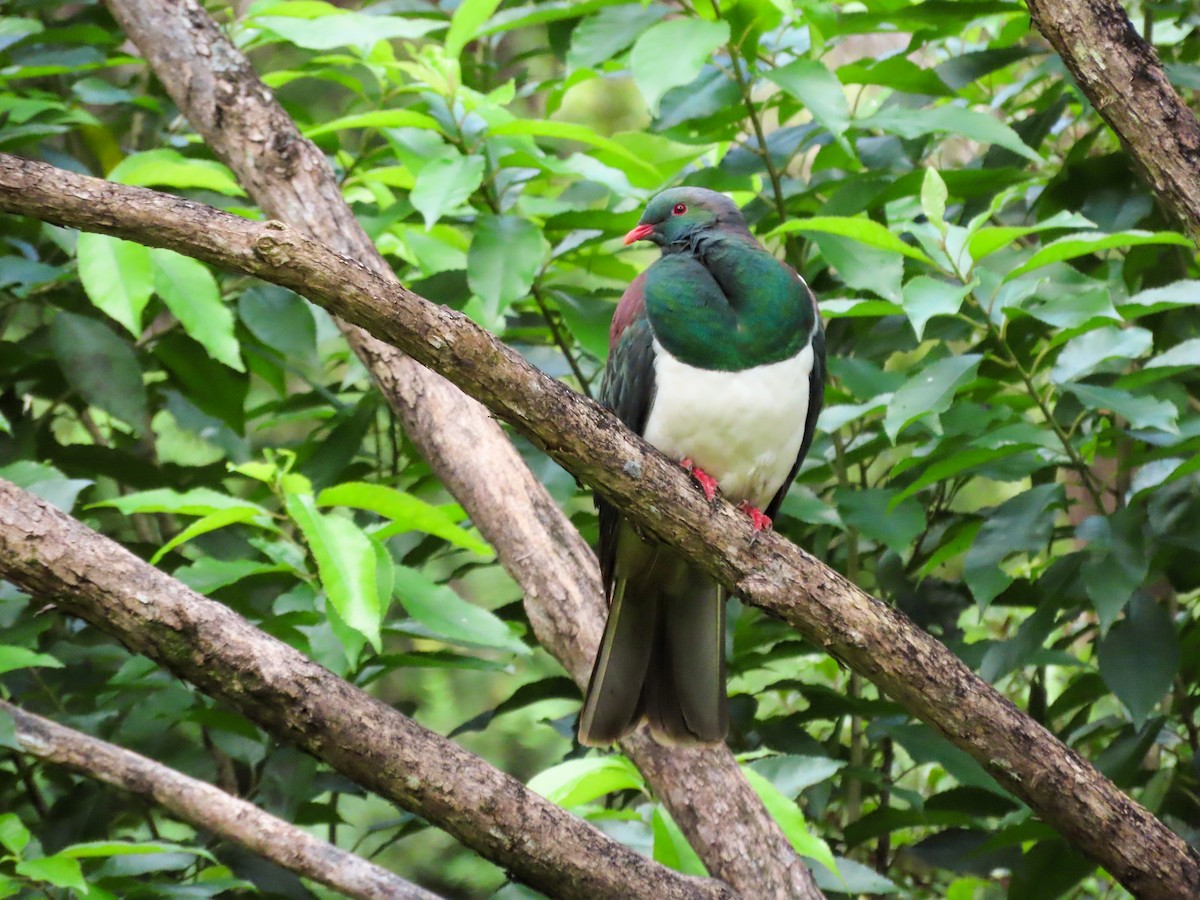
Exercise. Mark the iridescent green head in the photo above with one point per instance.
(679, 214)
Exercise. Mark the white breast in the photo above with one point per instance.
(742, 428)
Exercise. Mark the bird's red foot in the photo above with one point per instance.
(758, 519)
(707, 483)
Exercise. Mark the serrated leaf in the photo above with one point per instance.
(987, 241)
(447, 615)
(1140, 656)
(1185, 354)
(857, 228)
(379, 118)
(933, 199)
(926, 297)
(506, 253)
(194, 502)
(95, 849)
(671, 53)
(101, 367)
(1140, 412)
(408, 513)
(600, 37)
(345, 29)
(864, 267)
(573, 131)
(929, 392)
(579, 781)
(1082, 244)
(1021, 524)
(346, 563)
(817, 89)
(190, 291)
(12, 658)
(117, 277)
(445, 184)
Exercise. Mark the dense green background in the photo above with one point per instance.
(1008, 450)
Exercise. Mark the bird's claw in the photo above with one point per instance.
(759, 520)
(707, 483)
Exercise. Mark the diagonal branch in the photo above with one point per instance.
(1125, 81)
(48, 554)
(875, 640)
(215, 87)
(210, 808)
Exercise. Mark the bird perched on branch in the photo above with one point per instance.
(717, 358)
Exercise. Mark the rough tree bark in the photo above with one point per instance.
(877, 641)
(216, 88)
(1122, 76)
(58, 559)
(210, 809)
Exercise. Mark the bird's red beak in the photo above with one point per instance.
(638, 233)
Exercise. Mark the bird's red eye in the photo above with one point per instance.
(679, 209)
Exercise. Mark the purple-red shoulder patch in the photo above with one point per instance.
(633, 301)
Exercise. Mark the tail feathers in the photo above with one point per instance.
(662, 659)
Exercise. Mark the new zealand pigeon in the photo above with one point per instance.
(717, 358)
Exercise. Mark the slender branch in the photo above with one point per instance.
(564, 346)
(877, 641)
(214, 85)
(48, 554)
(210, 809)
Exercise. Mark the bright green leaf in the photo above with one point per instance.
(818, 89)
(506, 253)
(469, 17)
(1083, 244)
(926, 297)
(579, 781)
(860, 229)
(933, 199)
(446, 615)
(929, 392)
(345, 29)
(12, 658)
(671, 53)
(380, 118)
(117, 277)
(791, 819)
(13, 835)
(191, 293)
(193, 502)
(60, 871)
(164, 167)
(599, 38)
(408, 513)
(953, 120)
(1084, 354)
(445, 184)
(1140, 412)
(95, 849)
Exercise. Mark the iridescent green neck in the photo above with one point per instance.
(723, 302)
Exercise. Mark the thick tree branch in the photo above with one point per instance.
(52, 556)
(1122, 76)
(768, 571)
(210, 809)
(216, 88)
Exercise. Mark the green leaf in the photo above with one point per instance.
(599, 38)
(580, 134)
(1140, 657)
(863, 267)
(954, 120)
(8, 740)
(194, 502)
(933, 199)
(95, 849)
(926, 297)
(875, 514)
(855, 879)
(208, 523)
(1185, 354)
(445, 184)
(579, 781)
(1022, 524)
(671, 848)
(1076, 245)
(13, 835)
(407, 513)
(469, 17)
(379, 118)
(1084, 354)
(929, 392)
(117, 277)
(818, 89)
(60, 871)
(101, 367)
(860, 229)
(671, 53)
(191, 293)
(506, 253)
(1117, 561)
(987, 241)
(346, 561)
(344, 29)
(1140, 412)
(170, 168)
(792, 774)
(446, 615)
(791, 819)
(280, 319)
(12, 658)
(14, 29)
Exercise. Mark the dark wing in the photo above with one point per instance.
(628, 390)
(816, 399)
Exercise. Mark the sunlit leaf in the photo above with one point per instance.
(190, 291)
(671, 53)
(117, 276)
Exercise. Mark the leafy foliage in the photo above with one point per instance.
(1007, 454)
